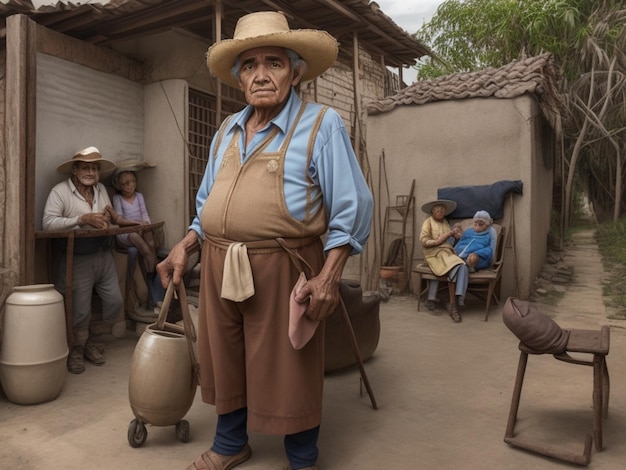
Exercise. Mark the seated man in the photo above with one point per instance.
(82, 202)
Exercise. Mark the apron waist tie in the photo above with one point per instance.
(237, 282)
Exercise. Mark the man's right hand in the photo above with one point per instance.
(95, 219)
(176, 262)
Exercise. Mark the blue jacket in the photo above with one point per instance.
(481, 243)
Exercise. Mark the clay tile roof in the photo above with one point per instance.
(533, 75)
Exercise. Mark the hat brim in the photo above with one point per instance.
(133, 165)
(106, 166)
(450, 206)
(301, 327)
(318, 49)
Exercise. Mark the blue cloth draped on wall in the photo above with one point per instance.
(490, 198)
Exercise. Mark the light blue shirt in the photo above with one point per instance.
(334, 171)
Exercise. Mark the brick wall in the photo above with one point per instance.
(335, 87)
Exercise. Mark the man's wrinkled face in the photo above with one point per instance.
(87, 174)
(266, 76)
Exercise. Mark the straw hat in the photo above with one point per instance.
(450, 205)
(132, 164)
(269, 28)
(89, 155)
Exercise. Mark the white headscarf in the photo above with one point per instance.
(484, 216)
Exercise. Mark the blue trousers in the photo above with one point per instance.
(231, 436)
(458, 274)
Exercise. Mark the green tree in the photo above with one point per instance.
(588, 41)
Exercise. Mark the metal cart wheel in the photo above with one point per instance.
(182, 430)
(137, 433)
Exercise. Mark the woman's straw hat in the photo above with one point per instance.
(450, 206)
(89, 155)
(132, 165)
(269, 28)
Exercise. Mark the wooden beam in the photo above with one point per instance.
(80, 52)
(20, 144)
(357, 96)
(217, 28)
(360, 21)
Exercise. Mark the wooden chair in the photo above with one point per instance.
(482, 283)
(593, 342)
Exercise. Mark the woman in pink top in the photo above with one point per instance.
(130, 205)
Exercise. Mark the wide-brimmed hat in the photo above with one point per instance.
(450, 205)
(132, 164)
(89, 155)
(270, 28)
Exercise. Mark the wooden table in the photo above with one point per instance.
(71, 235)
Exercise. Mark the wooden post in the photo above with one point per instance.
(218, 37)
(20, 144)
(357, 97)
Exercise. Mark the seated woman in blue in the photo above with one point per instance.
(478, 244)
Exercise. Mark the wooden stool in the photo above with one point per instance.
(594, 342)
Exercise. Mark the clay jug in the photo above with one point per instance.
(163, 378)
(34, 350)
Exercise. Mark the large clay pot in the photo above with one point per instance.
(33, 353)
(162, 382)
(363, 310)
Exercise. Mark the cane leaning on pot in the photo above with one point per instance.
(281, 173)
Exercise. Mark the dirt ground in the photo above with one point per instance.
(443, 390)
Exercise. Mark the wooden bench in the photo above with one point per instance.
(481, 283)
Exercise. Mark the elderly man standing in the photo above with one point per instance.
(281, 173)
(82, 201)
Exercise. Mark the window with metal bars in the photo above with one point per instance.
(203, 124)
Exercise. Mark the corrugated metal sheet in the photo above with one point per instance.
(105, 110)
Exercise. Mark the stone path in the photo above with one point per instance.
(582, 304)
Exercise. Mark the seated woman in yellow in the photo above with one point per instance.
(438, 239)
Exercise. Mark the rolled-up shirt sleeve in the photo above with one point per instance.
(347, 198)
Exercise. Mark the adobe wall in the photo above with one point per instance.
(469, 142)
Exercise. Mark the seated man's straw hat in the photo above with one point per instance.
(89, 155)
(269, 28)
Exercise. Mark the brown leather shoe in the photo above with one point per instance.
(94, 354)
(211, 460)
(75, 361)
(454, 313)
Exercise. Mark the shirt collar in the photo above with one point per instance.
(96, 187)
(281, 120)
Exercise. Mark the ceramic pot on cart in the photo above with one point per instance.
(163, 373)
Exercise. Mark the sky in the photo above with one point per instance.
(409, 15)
